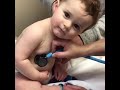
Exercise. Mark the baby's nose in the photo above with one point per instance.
(67, 24)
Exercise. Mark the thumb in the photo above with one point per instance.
(60, 55)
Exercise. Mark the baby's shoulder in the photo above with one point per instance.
(40, 26)
(36, 31)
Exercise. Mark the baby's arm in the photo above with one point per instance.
(25, 45)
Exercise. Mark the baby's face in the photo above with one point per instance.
(70, 19)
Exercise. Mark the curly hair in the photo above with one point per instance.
(93, 9)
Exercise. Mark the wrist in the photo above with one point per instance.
(83, 51)
(89, 49)
(96, 48)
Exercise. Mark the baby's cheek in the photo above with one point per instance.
(57, 19)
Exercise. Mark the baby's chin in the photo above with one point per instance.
(61, 37)
(58, 35)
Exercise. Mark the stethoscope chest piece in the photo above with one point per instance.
(40, 60)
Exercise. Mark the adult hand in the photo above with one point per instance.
(71, 48)
(74, 48)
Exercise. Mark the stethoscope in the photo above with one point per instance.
(42, 60)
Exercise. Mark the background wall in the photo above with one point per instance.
(28, 12)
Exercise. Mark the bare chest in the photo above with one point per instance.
(40, 52)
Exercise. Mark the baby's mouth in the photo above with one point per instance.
(61, 31)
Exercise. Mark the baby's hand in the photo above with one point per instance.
(65, 60)
(44, 75)
(59, 72)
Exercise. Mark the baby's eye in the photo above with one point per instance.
(76, 26)
(67, 14)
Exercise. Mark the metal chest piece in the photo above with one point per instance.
(40, 60)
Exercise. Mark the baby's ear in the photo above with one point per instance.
(55, 5)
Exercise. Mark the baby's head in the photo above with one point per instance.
(72, 17)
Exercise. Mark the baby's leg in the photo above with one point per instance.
(23, 83)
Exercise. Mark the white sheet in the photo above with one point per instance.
(89, 71)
